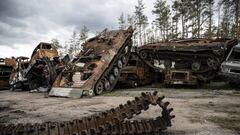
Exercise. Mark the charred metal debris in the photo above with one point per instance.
(104, 61)
(116, 121)
(40, 71)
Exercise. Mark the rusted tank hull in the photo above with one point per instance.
(6, 67)
(202, 57)
(97, 68)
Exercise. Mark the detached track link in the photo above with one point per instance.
(110, 122)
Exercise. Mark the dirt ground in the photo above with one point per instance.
(198, 111)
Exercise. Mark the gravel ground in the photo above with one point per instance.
(194, 108)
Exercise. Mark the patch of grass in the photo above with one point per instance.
(231, 122)
(221, 86)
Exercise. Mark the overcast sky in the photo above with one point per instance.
(25, 23)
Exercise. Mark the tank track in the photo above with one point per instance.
(110, 122)
(123, 53)
(208, 62)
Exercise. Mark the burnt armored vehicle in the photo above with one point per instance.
(38, 71)
(136, 73)
(200, 58)
(230, 68)
(97, 67)
(6, 67)
(17, 80)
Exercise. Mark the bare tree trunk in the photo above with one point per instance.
(237, 18)
(218, 27)
(183, 27)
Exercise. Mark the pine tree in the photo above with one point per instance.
(121, 22)
(162, 12)
(73, 44)
(130, 20)
(181, 8)
(140, 20)
(83, 34)
(209, 13)
(234, 13)
(225, 23)
(55, 43)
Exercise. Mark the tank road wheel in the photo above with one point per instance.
(119, 64)
(111, 79)
(107, 85)
(144, 55)
(211, 62)
(167, 64)
(115, 71)
(99, 88)
(196, 66)
(124, 60)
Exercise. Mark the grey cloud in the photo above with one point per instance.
(27, 21)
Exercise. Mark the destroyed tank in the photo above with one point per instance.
(6, 67)
(201, 57)
(97, 67)
(38, 71)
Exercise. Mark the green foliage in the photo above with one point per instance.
(84, 34)
(141, 21)
(55, 43)
(121, 21)
(162, 12)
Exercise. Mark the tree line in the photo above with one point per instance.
(175, 19)
(73, 45)
(181, 19)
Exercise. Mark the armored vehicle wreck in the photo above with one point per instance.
(136, 73)
(17, 79)
(230, 68)
(97, 67)
(199, 57)
(38, 71)
(6, 67)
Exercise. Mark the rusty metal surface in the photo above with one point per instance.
(110, 122)
(97, 67)
(202, 57)
(136, 73)
(17, 80)
(180, 77)
(37, 72)
(44, 49)
(6, 67)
